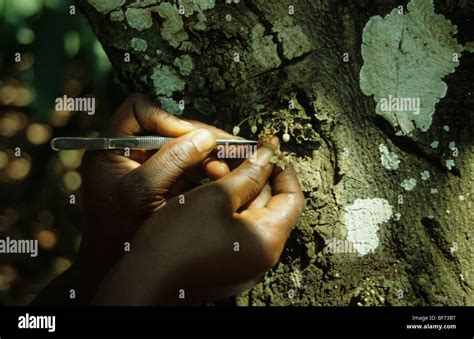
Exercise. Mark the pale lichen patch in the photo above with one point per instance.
(396, 47)
(166, 81)
(185, 64)
(170, 105)
(117, 16)
(363, 218)
(292, 37)
(106, 6)
(198, 7)
(139, 45)
(173, 27)
(450, 164)
(187, 46)
(389, 159)
(138, 18)
(143, 3)
(204, 5)
(408, 184)
(264, 50)
(425, 175)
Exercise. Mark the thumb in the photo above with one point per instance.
(247, 181)
(159, 173)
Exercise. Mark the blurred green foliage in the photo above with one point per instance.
(56, 38)
(59, 55)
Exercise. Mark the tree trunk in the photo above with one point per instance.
(229, 57)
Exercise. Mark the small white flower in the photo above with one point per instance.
(236, 130)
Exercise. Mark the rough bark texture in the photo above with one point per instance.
(423, 258)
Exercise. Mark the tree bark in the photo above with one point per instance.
(425, 250)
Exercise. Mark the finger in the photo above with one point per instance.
(215, 168)
(285, 206)
(260, 200)
(219, 133)
(159, 173)
(234, 163)
(139, 114)
(247, 181)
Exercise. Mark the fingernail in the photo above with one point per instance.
(275, 141)
(203, 140)
(264, 154)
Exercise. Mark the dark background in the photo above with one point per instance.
(59, 55)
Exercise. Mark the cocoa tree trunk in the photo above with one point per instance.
(233, 55)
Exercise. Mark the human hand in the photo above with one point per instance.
(121, 191)
(219, 242)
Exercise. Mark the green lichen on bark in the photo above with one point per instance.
(166, 81)
(389, 159)
(292, 37)
(185, 64)
(408, 184)
(139, 45)
(195, 7)
(198, 8)
(263, 48)
(143, 3)
(117, 16)
(170, 105)
(139, 19)
(173, 27)
(407, 56)
(106, 6)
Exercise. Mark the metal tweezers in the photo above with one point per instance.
(142, 142)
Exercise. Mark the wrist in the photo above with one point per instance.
(129, 283)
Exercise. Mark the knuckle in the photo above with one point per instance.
(129, 188)
(137, 194)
